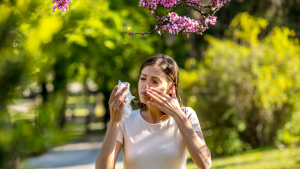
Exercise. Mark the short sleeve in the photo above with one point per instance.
(193, 119)
(120, 136)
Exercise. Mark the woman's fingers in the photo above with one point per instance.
(119, 101)
(113, 101)
(121, 92)
(122, 105)
(174, 92)
(160, 92)
(116, 108)
(155, 96)
(112, 95)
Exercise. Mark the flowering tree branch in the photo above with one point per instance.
(182, 24)
(61, 4)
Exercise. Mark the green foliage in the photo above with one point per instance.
(290, 133)
(245, 89)
(89, 42)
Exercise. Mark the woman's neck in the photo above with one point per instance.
(153, 115)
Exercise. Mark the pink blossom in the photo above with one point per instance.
(211, 20)
(218, 3)
(61, 4)
(182, 24)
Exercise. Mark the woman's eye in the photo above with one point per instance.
(153, 80)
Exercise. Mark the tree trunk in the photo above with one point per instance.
(43, 118)
(13, 163)
(106, 106)
(60, 92)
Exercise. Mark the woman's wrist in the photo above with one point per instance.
(179, 116)
(113, 124)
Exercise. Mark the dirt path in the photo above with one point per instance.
(76, 155)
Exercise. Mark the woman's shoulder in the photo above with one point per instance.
(188, 111)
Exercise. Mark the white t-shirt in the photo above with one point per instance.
(154, 146)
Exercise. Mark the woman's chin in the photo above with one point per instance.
(144, 100)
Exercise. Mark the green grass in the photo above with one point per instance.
(260, 159)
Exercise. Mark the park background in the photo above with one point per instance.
(242, 77)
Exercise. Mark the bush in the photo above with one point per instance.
(245, 89)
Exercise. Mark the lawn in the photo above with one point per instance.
(260, 159)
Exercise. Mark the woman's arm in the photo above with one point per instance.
(110, 148)
(194, 142)
(109, 152)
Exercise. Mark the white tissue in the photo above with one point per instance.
(129, 97)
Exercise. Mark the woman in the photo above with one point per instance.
(159, 134)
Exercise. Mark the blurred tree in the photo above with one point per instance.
(89, 42)
(275, 12)
(14, 67)
(245, 89)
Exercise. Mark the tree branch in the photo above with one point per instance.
(142, 33)
(161, 19)
(188, 4)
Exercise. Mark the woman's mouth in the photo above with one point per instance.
(144, 94)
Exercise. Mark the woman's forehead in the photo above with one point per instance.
(153, 71)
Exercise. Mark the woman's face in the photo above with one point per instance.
(152, 76)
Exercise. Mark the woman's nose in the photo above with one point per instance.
(147, 84)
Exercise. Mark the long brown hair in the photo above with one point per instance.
(169, 67)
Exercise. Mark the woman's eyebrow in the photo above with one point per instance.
(151, 76)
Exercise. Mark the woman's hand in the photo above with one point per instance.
(164, 102)
(116, 104)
